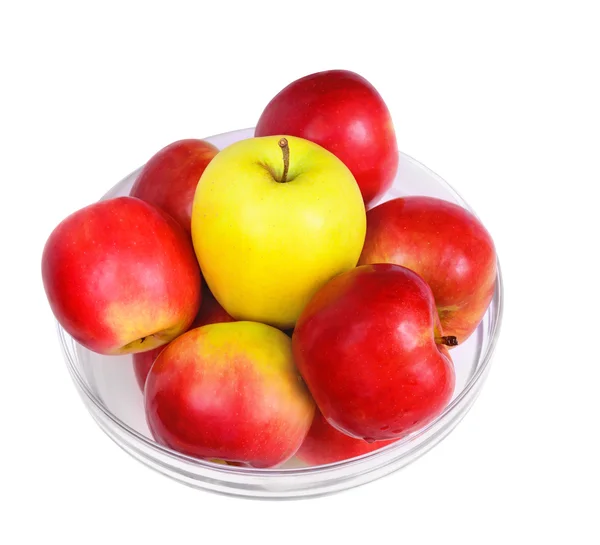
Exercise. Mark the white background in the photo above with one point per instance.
(501, 99)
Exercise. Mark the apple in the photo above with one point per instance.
(121, 276)
(344, 113)
(210, 313)
(325, 445)
(229, 391)
(273, 219)
(169, 178)
(371, 350)
(142, 362)
(447, 246)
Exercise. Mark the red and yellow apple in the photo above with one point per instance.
(169, 178)
(210, 313)
(121, 276)
(443, 243)
(325, 445)
(371, 350)
(229, 391)
(341, 111)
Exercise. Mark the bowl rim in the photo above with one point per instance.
(270, 473)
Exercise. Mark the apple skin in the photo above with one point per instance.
(265, 245)
(366, 348)
(341, 111)
(229, 391)
(121, 276)
(142, 362)
(210, 313)
(447, 246)
(169, 178)
(325, 445)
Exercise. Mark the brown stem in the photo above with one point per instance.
(448, 340)
(285, 148)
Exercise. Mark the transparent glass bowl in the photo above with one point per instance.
(109, 390)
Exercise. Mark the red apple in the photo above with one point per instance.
(229, 391)
(210, 313)
(371, 350)
(344, 113)
(325, 445)
(447, 246)
(142, 362)
(169, 178)
(121, 276)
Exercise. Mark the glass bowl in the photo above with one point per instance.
(109, 390)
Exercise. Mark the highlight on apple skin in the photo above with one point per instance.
(325, 445)
(168, 180)
(447, 246)
(341, 111)
(229, 391)
(121, 276)
(371, 350)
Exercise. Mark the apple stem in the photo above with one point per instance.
(448, 340)
(285, 148)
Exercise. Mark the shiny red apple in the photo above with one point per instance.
(324, 444)
(121, 276)
(210, 313)
(229, 391)
(169, 178)
(371, 350)
(447, 246)
(341, 111)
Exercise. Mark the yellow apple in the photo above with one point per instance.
(273, 219)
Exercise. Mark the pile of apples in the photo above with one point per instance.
(272, 308)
